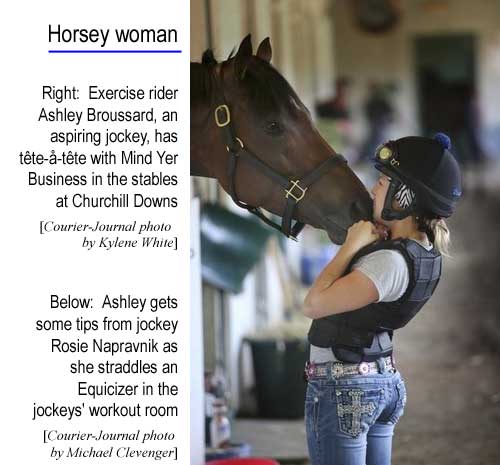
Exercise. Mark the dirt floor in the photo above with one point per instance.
(450, 354)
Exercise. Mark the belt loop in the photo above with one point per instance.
(382, 368)
(308, 370)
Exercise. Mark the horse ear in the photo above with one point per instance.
(264, 52)
(231, 54)
(245, 49)
(208, 58)
(242, 56)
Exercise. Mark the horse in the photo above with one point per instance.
(251, 132)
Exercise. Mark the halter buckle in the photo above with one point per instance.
(239, 142)
(227, 115)
(289, 191)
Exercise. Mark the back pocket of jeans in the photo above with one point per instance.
(357, 409)
(399, 403)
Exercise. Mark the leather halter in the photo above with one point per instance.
(294, 189)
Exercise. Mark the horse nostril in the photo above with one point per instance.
(361, 211)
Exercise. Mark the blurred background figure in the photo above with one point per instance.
(334, 118)
(379, 113)
(336, 107)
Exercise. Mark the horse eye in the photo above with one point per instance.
(274, 128)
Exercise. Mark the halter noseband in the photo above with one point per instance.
(295, 189)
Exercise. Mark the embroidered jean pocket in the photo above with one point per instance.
(357, 409)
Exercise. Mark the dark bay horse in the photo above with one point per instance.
(251, 132)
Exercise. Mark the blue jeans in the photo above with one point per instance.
(350, 420)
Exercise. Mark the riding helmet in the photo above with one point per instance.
(424, 176)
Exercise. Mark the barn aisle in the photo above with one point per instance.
(449, 358)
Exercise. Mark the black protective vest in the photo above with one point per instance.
(366, 334)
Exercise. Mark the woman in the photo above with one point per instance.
(380, 278)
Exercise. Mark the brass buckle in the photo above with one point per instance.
(227, 114)
(289, 191)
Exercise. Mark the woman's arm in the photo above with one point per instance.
(333, 293)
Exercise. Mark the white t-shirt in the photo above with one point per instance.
(389, 273)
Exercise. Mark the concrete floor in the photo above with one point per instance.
(449, 356)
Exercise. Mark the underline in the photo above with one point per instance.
(115, 51)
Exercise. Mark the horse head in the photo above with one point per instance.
(269, 120)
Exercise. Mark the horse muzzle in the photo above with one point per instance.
(336, 225)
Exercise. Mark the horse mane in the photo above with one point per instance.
(266, 88)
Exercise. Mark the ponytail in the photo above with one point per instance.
(437, 231)
(442, 239)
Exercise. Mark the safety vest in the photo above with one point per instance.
(366, 334)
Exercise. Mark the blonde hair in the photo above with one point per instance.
(437, 231)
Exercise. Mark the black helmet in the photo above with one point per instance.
(425, 166)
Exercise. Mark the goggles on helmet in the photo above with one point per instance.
(386, 155)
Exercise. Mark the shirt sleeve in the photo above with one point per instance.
(388, 271)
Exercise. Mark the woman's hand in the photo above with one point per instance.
(362, 233)
(332, 292)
